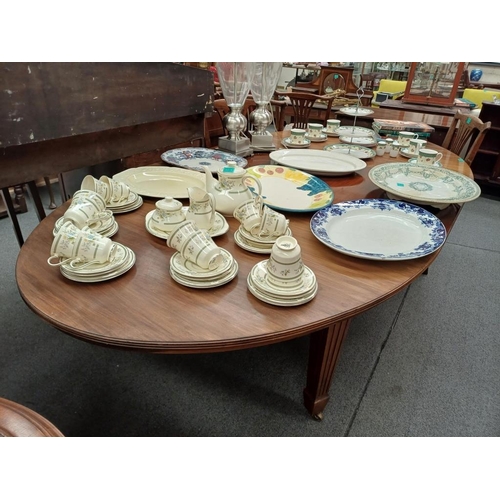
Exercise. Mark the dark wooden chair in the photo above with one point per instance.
(302, 104)
(465, 135)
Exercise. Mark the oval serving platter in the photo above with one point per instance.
(379, 229)
(158, 182)
(424, 184)
(290, 189)
(318, 162)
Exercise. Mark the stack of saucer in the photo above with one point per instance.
(109, 229)
(262, 288)
(248, 241)
(122, 261)
(133, 202)
(191, 275)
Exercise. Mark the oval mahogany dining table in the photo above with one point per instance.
(146, 310)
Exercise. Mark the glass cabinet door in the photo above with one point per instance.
(433, 82)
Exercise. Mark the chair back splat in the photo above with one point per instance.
(465, 135)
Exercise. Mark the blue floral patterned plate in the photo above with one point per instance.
(290, 189)
(379, 229)
(197, 158)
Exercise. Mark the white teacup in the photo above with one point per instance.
(332, 124)
(119, 191)
(272, 224)
(84, 212)
(249, 213)
(284, 266)
(83, 195)
(428, 157)
(416, 145)
(404, 138)
(297, 136)
(195, 245)
(90, 183)
(314, 130)
(79, 247)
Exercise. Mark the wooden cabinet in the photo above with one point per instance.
(486, 164)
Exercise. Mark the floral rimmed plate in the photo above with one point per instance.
(424, 184)
(197, 158)
(289, 189)
(356, 111)
(368, 142)
(352, 150)
(379, 229)
(349, 130)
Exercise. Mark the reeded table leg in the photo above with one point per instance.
(324, 349)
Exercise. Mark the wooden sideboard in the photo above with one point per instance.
(59, 117)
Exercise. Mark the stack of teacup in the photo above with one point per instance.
(260, 226)
(199, 262)
(283, 279)
(84, 255)
(88, 208)
(117, 195)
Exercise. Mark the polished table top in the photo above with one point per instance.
(145, 309)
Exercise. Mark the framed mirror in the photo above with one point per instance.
(433, 82)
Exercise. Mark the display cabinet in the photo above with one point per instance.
(433, 82)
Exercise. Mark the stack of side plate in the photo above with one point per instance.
(251, 243)
(133, 202)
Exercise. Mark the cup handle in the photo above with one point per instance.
(60, 262)
(254, 179)
(438, 157)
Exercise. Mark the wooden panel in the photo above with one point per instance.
(45, 101)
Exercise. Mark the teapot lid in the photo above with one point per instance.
(168, 203)
(231, 167)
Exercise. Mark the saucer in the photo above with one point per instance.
(322, 138)
(209, 283)
(133, 202)
(219, 228)
(123, 261)
(413, 161)
(109, 230)
(330, 134)
(188, 270)
(404, 152)
(289, 144)
(261, 241)
(242, 242)
(260, 288)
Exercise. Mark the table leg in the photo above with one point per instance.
(324, 349)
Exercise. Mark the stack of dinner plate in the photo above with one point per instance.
(122, 261)
(133, 202)
(246, 240)
(191, 275)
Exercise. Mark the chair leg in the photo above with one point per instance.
(37, 200)
(12, 214)
(52, 203)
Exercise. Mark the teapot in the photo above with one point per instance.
(201, 208)
(168, 214)
(230, 190)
